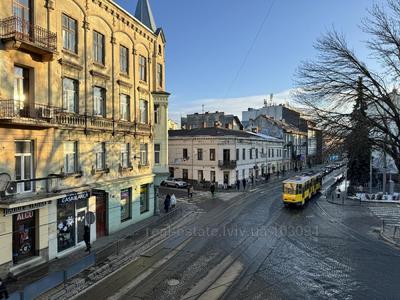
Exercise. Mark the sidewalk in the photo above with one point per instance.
(101, 250)
(391, 234)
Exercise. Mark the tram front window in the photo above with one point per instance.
(289, 188)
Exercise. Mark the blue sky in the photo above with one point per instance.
(207, 42)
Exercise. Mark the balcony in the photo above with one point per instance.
(75, 120)
(126, 126)
(143, 129)
(17, 33)
(227, 164)
(99, 123)
(69, 119)
(18, 112)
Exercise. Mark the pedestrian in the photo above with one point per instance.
(190, 191)
(3, 290)
(167, 203)
(212, 189)
(238, 184)
(244, 183)
(277, 174)
(86, 237)
(252, 180)
(173, 201)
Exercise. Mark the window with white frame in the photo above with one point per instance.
(157, 152)
(70, 157)
(98, 47)
(24, 165)
(143, 154)
(144, 111)
(125, 107)
(142, 68)
(100, 151)
(70, 95)
(125, 152)
(99, 101)
(69, 33)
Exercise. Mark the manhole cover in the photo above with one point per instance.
(173, 282)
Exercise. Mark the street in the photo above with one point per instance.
(251, 247)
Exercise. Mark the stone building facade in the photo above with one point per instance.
(80, 82)
(221, 155)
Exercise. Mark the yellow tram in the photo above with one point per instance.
(299, 189)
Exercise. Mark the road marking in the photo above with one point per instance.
(148, 272)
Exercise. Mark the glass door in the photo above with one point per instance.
(80, 224)
(21, 10)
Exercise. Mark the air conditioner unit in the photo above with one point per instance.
(11, 188)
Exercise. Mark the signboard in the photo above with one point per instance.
(72, 197)
(21, 209)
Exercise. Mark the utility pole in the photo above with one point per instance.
(384, 168)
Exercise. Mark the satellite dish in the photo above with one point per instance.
(4, 180)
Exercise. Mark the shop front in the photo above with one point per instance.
(24, 236)
(71, 213)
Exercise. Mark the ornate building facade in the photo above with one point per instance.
(82, 108)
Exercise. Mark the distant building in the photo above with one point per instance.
(207, 120)
(295, 141)
(172, 125)
(222, 155)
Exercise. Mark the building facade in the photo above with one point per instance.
(77, 123)
(222, 155)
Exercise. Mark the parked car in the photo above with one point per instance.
(174, 182)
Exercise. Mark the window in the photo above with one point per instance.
(70, 95)
(21, 87)
(98, 47)
(244, 154)
(200, 175)
(24, 165)
(156, 114)
(125, 107)
(99, 97)
(199, 154)
(256, 153)
(70, 157)
(157, 149)
(69, 33)
(21, 9)
(143, 110)
(185, 174)
(143, 154)
(124, 59)
(273, 152)
(160, 75)
(142, 68)
(269, 153)
(185, 153)
(125, 202)
(212, 176)
(212, 154)
(144, 199)
(251, 153)
(159, 50)
(237, 154)
(100, 151)
(125, 155)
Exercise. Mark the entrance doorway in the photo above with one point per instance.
(226, 178)
(80, 223)
(101, 214)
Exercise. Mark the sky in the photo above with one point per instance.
(229, 55)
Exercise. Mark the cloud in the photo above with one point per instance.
(233, 106)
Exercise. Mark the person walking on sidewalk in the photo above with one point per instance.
(167, 203)
(173, 201)
(3, 290)
(244, 183)
(86, 238)
(238, 184)
(212, 189)
(190, 191)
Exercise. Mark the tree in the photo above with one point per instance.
(357, 143)
(328, 85)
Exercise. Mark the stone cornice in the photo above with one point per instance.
(70, 64)
(100, 75)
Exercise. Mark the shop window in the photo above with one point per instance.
(126, 196)
(24, 236)
(144, 199)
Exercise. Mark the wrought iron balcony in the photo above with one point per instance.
(16, 111)
(32, 38)
(227, 164)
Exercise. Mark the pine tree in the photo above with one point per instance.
(357, 143)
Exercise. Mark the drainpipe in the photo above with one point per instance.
(112, 80)
(85, 30)
(49, 6)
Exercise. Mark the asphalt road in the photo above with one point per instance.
(254, 248)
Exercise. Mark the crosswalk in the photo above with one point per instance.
(389, 214)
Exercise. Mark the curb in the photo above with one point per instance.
(381, 201)
(388, 239)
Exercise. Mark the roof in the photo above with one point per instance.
(144, 14)
(285, 126)
(211, 131)
(267, 137)
(297, 179)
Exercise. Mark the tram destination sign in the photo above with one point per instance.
(71, 197)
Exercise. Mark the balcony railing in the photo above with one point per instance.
(14, 109)
(70, 119)
(23, 31)
(227, 164)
